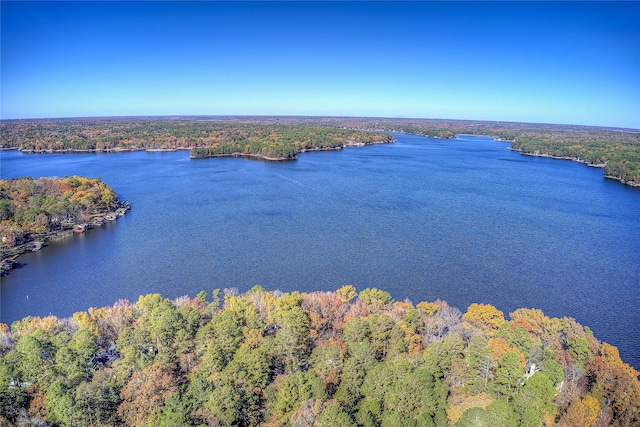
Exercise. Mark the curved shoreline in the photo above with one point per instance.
(35, 243)
(632, 184)
(294, 157)
(628, 183)
(244, 155)
(256, 156)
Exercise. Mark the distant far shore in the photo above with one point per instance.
(276, 138)
(94, 150)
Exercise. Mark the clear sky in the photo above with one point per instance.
(571, 63)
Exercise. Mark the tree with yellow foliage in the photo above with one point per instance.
(484, 317)
(346, 293)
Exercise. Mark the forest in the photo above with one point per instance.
(616, 150)
(204, 137)
(343, 358)
(35, 209)
(277, 142)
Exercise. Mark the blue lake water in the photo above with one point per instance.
(464, 220)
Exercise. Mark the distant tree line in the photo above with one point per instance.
(139, 134)
(310, 359)
(618, 150)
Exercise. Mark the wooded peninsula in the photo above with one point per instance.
(617, 151)
(33, 211)
(310, 359)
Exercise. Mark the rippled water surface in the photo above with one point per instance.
(464, 220)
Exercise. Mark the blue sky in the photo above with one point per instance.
(573, 63)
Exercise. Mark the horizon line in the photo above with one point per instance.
(186, 116)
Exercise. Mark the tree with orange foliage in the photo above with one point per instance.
(615, 385)
(499, 346)
(581, 413)
(145, 393)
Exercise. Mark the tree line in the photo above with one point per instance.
(310, 359)
(617, 150)
(254, 137)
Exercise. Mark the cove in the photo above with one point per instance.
(464, 220)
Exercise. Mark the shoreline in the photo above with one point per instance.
(628, 183)
(632, 184)
(244, 155)
(8, 256)
(256, 156)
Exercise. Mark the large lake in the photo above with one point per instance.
(464, 220)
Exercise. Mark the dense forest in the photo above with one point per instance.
(616, 150)
(35, 209)
(310, 359)
(205, 138)
(278, 142)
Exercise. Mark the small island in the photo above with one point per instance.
(34, 211)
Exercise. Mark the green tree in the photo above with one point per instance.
(202, 296)
(552, 370)
(475, 417)
(535, 399)
(380, 330)
(292, 343)
(327, 362)
(376, 386)
(372, 295)
(476, 356)
(295, 389)
(502, 413)
(220, 339)
(334, 415)
(225, 402)
(356, 331)
(60, 405)
(174, 413)
(439, 357)
(250, 366)
(97, 400)
(579, 349)
(12, 399)
(35, 357)
(361, 359)
(418, 396)
(160, 318)
(508, 375)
